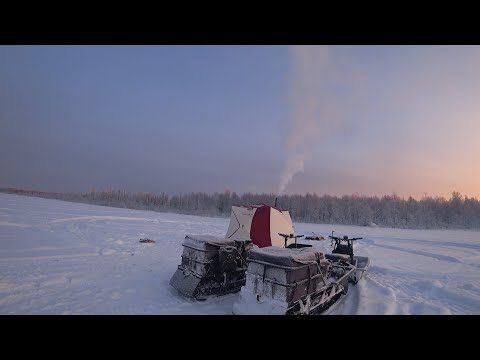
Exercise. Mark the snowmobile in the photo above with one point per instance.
(345, 251)
(273, 272)
(299, 280)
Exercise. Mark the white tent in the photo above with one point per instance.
(261, 224)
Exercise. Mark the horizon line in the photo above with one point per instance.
(312, 193)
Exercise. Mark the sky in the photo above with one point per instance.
(372, 120)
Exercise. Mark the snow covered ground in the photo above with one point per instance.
(67, 258)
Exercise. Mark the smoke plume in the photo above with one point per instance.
(308, 75)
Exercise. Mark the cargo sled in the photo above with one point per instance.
(299, 280)
(210, 266)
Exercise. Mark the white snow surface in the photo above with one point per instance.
(58, 257)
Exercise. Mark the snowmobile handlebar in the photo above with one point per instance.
(345, 238)
(290, 236)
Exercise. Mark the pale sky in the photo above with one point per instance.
(332, 120)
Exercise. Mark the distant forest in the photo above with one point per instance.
(458, 212)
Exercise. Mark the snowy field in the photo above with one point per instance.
(67, 258)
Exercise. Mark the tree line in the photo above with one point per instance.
(457, 212)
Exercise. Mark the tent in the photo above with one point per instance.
(260, 224)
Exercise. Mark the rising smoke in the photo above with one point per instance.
(309, 63)
(320, 86)
(406, 101)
